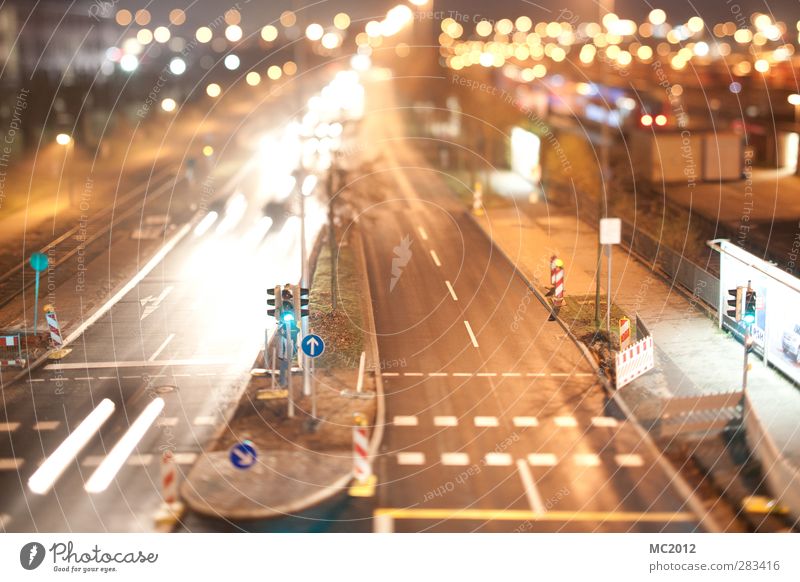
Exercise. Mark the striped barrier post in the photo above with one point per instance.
(362, 469)
(624, 333)
(11, 347)
(52, 325)
(558, 293)
(169, 478)
(553, 270)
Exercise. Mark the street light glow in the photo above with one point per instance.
(128, 63)
(177, 66)
(314, 31)
(168, 105)
(233, 33)
(231, 62)
(794, 99)
(63, 139)
(213, 90)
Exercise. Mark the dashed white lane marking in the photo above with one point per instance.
(10, 464)
(405, 421)
(471, 335)
(184, 458)
(84, 378)
(445, 421)
(452, 291)
(583, 374)
(525, 421)
(46, 425)
(422, 233)
(486, 374)
(463, 374)
(414, 374)
(390, 374)
(8, 426)
(512, 374)
(559, 374)
(629, 460)
(565, 421)
(498, 459)
(535, 374)
(162, 347)
(455, 459)
(410, 458)
(140, 460)
(167, 421)
(542, 459)
(36, 380)
(435, 258)
(587, 460)
(531, 491)
(205, 421)
(484, 421)
(437, 374)
(106, 377)
(140, 364)
(604, 421)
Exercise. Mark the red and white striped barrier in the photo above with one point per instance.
(11, 353)
(635, 361)
(169, 478)
(558, 292)
(362, 469)
(52, 325)
(624, 333)
(553, 268)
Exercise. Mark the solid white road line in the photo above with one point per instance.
(108, 469)
(10, 464)
(452, 291)
(455, 459)
(531, 492)
(160, 349)
(405, 421)
(565, 421)
(471, 335)
(525, 421)
(498, 459)
(587, 460)
(629, 460)
(139, 364)
(46, 425)
(422, 233)
(140, 460)
(604, 421)
(8, 426)
(485, 421)
(435, 258)
(542, 459)
(52, 468)
(411, 458)
(445, 421)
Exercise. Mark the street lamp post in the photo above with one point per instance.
(66, 140)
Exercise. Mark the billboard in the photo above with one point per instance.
(776, 331)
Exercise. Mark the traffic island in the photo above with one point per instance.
(301, 460)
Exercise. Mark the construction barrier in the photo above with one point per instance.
(558, 282)
(54, 328)
(635, 361)
(624, 333)
(362, 469)
(553, 268)
(11, 351)
(169, 478)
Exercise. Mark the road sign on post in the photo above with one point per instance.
(243, 455)
(312, 345)
(39, 262)
(610, 234)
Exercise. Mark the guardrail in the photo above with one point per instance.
(783, 478)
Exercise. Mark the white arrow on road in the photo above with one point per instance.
(153, 303)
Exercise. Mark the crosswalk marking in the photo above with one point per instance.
(184, 458)
(565, 421)
(525, 421)
(542, 459)
(8, 426)
(205, 421)
(498, 459)
(167, 421)
(455, 459)
(629, 460)
(587, 460)
(405, 421)
(410, 458)
(10, 464)
(485, 421)
(604, 421)
(140, 460)
(445, 421)
(46, 425)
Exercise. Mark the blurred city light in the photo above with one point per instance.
(63, 139)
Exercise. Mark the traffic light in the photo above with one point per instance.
(273, 296)
(301, 303)
(735, 303)
(750, 306)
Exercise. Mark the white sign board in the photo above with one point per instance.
(610, 231)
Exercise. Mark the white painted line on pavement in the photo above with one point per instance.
(486, 374)
(422, 233)
(52, 468)
(383, 523)
(512, 374)
(462, 374)
(160, 349)
(415, 374)
(83, 378)
(587, 460)
(584, 374)
(435, 258)
(405, 421)
(535, 374)
(46, 425)
(8, 426)
(184, 458)
(108, 469)
(455, 459)
(410, 458)
(437, 374)
(36, 380)
(150, 303)
(525, 421)
(471, 335)
(139, 364)
(565, 421)
(559, 374)
(140, 460)
(629, 460)
(452, 291)
(167, 421)
(390, 374)
(498, 459)
(604, 421)
(106, 377)
(205, 421)
(10, 464)
(531, 491)
(486, 421)
(445, 421)
(542, 459)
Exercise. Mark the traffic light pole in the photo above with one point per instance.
(290, 393)
(748, 342)
(303, 285)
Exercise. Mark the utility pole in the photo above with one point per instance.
(303, 285)
(332, 247)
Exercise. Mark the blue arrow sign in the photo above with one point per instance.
(243, 455)
(312, 345)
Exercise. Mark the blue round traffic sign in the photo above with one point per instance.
(312, 345)
(243, 455)
(39, 262)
